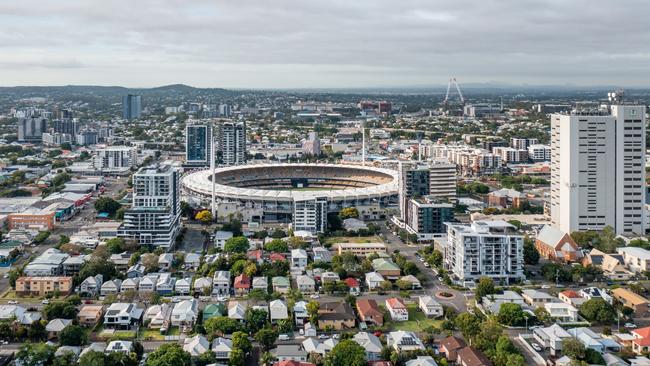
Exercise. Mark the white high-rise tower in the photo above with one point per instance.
(598, 168)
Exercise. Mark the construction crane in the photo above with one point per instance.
(460, 94)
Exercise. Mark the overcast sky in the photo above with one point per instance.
(324, 43)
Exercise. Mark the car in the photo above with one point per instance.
(283, 337)
(6, 275)
(421, 259)
(323, 336)
(426, 264)
(630, 325)
(176, 299)
(302, 332)
(222, 298)
(536, 347)
(336, 336)
(13, 302)
(315, 296)
(545, 287)
(45, 302)
(535, 327)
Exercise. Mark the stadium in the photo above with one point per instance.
(268, 192)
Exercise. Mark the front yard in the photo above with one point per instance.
(417, 322)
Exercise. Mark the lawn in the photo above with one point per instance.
(417, 322)
(151, 334)
(353, 239)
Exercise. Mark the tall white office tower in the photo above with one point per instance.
(598, 168)
(154, 217)
(232, 143)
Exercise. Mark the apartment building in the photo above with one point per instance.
(41, 286)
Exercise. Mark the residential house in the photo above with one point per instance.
(305, 284)
(293, 363)
(277, 257)
(537, 298)
(594, 341)
(125, 347)
(183, 286)
(313, 345)
(122, 315)
(256, 256)
(158, 316)
(42, 286)
(196, 345)
(260, 283)
(632, 300)
(336, 315)
(310, 330)
(56, 326)
(165, 261)
(370, 343)
(111, 287)
(212, 310)
(192, 261)
(492, 303)
(369, 312)
(130, 284)
(562, 312)
(397, 309)
(450, 347)
(148, 283)
(278, 310)
(290, 352)
(281, 285)
(404, 341)
(300, 313)
(329, 276)
(165, 284)
(322, 255)
(135, 271)
(185, 313)
(222, 348)
(421, 361)
(299, 258)
(635, 258)
(596, 293)
(641, 341)
(353, 285)
(613, 265)
(571, 297)
(203, 285)
(221, 283)
(415, 283)
(120, 260)
(72, 265)
(50, 263)
(236, 310)
(242, 285)
(9, 312)
(374, 280)
(89, 315)
(386, 268)
(551, 338)
(554, 244)
(220, 238)
(430, 307)
(29, 318)
(469, 356)
(91, 286)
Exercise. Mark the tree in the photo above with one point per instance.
(64, 310)
(266, 337)
(221, 325)
(237, 357)
(542, 315)
(186, 209)
(92, 358)
(386, 285)
(598, 310)
(346, 352)
(37, 354)
(63, 239)
(41, 237)
(348, 212)
(236, 244)
(573, 348)
(169, 354)
(312, 311)
(73, 335)
(278, 234)
(240, 340)
(206, 358)
(489, 334)
(115, 245)
(553, 271)
(511, 314)
(468, 324)
(531, 255)
(485, 287)
(107, 205)
(66, 359)
(267, 359)
(150, 262)
(204, 216)
(435, 259)
(277, 246)
(255, 319)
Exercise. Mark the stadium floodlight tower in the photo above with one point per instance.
(363, 144)
(212, 171)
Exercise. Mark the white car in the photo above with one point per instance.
(283, 337)
(421, 259)
(176, 299)
(536, 347)
(546, 287)
(323, 336)
(315, 296)
(630, 325)
(426, 264)
(45, 302)
(336, 336)
(13, 302)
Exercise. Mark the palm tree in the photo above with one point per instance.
(267, 359)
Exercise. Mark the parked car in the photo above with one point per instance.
(630, 325)
(283, 337)
(13, 302)
(315, 296)
(45, 302)
(536, 347)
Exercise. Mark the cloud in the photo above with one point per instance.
(337, 43)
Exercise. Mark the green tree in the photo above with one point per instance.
(73, 335)
(346, 352)
(468, 324)
(348, 212)
(511, 314)
(531, 255)
(542, 315)
(573, 348)
(169, 354)
(41, 237)
(277, 246)
(266, 337)
(237, 357)
(236, 244)
(267, 359)
(598, 310)
(312, 311)
(107, 205)
(255, 319)
(240, 340)
(485, 287)
(35, 354)
(93, 358)
(221, 325)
